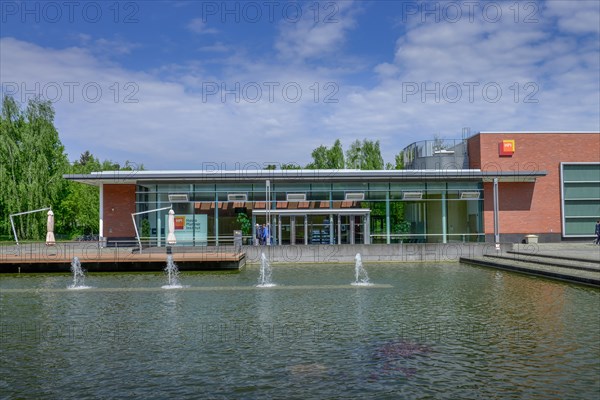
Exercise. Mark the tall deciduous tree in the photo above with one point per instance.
(364, 155)
(399, 162)
(32, 161)
(328, 158)
(79, 206)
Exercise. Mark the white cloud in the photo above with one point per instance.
(197, 25)
(169, 126)
(310, 39)
(582, 16)
(217, 47)
(174, 126)
(529, 62)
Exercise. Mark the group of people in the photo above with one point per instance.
(262, 235)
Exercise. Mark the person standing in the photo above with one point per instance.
(257, 235)
(597, 232)
(263, 231)
(266, 234)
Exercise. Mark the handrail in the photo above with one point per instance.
(23, 213)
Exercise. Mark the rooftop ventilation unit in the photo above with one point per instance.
(355, 196)
(178, 198)
(296, 197)
(412, 195)
(469, 195)
(237, 197)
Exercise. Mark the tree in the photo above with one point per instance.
(32, 161)
(290, 166)
(325, 158)
(78, 213)
(365, 155)
(399, 162)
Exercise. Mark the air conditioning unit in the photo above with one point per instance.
(355, 196)
(237, 197)
(469, 195)
(178, 198)
(296, 197)
(412, 195)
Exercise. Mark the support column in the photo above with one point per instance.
(352, 229)
(216, 218)
(339, 229)
(367, 229)
(158, 222)
(496, 215)
(305, 230)
(292, 229)
(253, 228)
(444, 219)
(331, 229)
(101, 221)
(273, 229)
(387, 218)
(279, 236)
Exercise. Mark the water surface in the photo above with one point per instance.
(421, 331)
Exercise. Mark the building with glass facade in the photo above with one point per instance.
(493, 186)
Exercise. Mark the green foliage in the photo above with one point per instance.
(145, 228)
(77, 212)
(244, 223)
(401, 227)
(365, 155)
(272, 167)
(32, 162)
(290, 166)
(324, 158)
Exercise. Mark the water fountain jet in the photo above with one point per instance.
(78, 275)
(172, 272)
(264, 279)
(360, 274)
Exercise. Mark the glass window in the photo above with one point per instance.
(581, 198)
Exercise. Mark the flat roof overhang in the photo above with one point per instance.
(315, 211)
(300, 175)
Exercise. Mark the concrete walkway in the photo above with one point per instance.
(573, 262)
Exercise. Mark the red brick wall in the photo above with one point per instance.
(473, 148)
(525, 207)
(119, 204)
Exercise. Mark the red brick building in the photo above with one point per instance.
(493, 186)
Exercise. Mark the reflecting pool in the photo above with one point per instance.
(419, 331)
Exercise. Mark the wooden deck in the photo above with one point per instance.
(94, 259)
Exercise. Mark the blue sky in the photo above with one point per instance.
(181, 85)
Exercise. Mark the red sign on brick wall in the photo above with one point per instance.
(506, 148)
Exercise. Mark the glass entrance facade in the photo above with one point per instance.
(314, 212)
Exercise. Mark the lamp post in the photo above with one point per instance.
(268, 210)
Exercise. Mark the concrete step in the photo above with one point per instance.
(554, 261)
(568, 274)
(560, 256)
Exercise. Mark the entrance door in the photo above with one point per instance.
(350, 229)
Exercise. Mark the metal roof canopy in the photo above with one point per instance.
(259, 176)
(313, 211)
